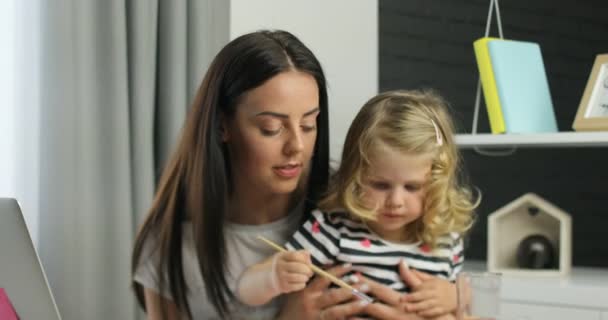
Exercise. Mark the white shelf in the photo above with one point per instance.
(538, 140)
(584, 287)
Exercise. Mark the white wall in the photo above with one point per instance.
(343, 34)
(26, 113)
(7, 99)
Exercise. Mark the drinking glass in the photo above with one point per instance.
(478, 295)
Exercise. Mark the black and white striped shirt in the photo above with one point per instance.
(335, 238)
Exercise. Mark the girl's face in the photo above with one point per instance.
(395, 185)
(272, 134)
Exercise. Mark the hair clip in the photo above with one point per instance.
(437, 133)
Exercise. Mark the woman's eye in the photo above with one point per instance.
(309, 128)
(270, 132)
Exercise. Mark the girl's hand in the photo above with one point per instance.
(292, 270)
(318, 302)
(431, 298)
(282, 272)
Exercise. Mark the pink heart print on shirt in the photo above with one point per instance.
(366, 243)
(456, 258)
(315, 227)
(425, 248)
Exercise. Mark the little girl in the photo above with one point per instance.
(396, 197)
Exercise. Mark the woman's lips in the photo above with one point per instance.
(288, 171)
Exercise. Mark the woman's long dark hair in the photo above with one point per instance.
(196, 181)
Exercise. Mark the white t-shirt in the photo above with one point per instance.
(243, 250)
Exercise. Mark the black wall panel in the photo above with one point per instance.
(429, 43)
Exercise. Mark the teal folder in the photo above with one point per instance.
(522, 86)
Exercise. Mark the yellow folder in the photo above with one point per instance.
(488, 84)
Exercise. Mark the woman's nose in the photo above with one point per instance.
(295, 144)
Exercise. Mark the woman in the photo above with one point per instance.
(253, 156)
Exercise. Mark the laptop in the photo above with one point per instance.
(21, 274)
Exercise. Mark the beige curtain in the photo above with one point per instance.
(104, 89)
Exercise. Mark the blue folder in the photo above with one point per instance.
(522, 86)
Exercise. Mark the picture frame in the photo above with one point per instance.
(592, 114)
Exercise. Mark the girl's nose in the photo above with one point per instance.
(395, 200)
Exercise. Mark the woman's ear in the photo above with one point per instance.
(224, 129)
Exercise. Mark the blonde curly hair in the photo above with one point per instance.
(413, 122)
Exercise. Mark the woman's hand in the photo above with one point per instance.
(388, 305)
(317, 302)
(391, 304)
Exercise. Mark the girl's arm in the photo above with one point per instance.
(256, 285)
(153, 306)
(283, 272)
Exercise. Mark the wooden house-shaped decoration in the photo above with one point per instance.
(530, 236)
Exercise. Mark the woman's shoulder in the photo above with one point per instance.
(151, 246)
(148, 272)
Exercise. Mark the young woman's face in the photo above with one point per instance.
(272, 134)
(395, 184)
